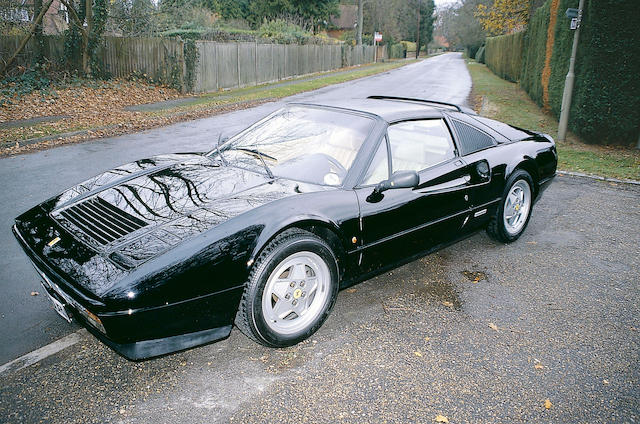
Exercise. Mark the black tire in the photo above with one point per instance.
(250, 318)
(496, 228)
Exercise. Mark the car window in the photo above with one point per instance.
(302, 143)
(416, 145)
(379, 167)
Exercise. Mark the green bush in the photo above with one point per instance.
(503, 55)
(397, 51)
(283, 32)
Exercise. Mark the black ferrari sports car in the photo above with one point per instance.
(166, 253)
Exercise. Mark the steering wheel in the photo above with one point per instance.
(337, 166)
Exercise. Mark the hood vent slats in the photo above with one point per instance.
(102, 221)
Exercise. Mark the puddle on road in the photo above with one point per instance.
(425, 281)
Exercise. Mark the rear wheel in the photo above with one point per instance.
(514, 210)
(291, 290)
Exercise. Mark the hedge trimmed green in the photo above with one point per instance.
(503, 55)
(534, 54)
(606, 96)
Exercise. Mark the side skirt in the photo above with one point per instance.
(355, 280)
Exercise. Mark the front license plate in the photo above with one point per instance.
(59, 307)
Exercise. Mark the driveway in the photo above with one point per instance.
(479, 332)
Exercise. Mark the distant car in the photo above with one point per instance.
(163, 254)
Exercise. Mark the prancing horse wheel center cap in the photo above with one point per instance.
(297, 293)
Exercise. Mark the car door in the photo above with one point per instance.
(401, 223)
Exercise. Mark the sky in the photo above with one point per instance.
(440, 3)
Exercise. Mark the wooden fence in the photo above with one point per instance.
(233, 65)
(219, 65)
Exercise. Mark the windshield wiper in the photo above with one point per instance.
(260, 155)
(224, 161)
(255, 152)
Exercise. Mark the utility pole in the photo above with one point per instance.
(418, 32)
(568, 82)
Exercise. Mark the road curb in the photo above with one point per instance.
(597, 177)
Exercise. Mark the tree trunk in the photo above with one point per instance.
(26, 39)
(359, 23)
(86, 66)
(37, 34)
(418, 32)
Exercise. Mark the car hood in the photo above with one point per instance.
(139, 210)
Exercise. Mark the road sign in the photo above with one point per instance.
(571, 13)
(377, 36)
(574, 23)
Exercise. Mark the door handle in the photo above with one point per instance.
(448, 185)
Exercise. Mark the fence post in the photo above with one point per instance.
(256, 62)
(238, 61)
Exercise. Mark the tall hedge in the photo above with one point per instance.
(606, 98)
(534, 54)
(503, 55)
(606, 101)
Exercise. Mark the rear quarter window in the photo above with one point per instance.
(470, 139)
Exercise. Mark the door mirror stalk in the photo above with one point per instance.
(399, 179)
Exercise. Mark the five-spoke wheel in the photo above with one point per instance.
(291, 289)
(514, 210)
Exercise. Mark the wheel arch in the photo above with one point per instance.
(321, 227)
(529, 165)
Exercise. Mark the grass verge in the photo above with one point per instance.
(505, 101)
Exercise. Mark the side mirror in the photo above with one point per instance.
(399, 179)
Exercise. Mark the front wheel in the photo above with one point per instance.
(514, 210)
(291, 290)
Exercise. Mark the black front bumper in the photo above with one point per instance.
(141, 333)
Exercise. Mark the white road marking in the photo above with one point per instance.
(45, 351)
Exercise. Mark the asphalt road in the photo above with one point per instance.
(478, 332)
(26, 322)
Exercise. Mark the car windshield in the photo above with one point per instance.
(302, 143)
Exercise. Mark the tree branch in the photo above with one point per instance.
(26, 39)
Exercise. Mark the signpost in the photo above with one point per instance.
(576, 16)
(377, 37)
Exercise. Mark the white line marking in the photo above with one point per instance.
(45, 351)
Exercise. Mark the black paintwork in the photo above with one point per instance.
(176, 282)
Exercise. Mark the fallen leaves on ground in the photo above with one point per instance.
(538, 366)
(547, 404)
(442, 419)
(419, 354)
(352, 290)
(447, 304)
(493, 326)
(34, 293)
(89, 104)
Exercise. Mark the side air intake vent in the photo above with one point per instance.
(101, 221)
(471, 139)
